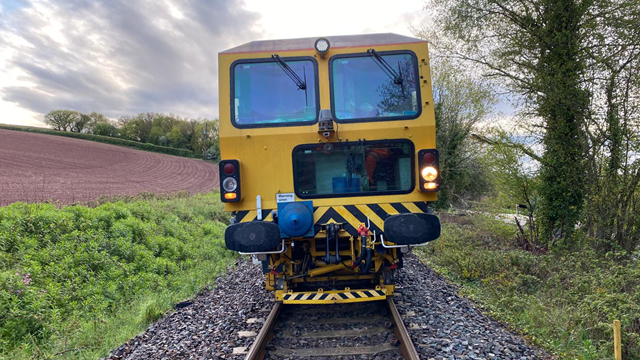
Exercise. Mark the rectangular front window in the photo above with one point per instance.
(353, 168)
(375, 86)
(265, 95)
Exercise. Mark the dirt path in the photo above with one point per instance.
(38, 167)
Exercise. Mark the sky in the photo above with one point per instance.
(123, 57)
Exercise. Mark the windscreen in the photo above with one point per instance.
(353, 168)
(266, 95)
(375, 87)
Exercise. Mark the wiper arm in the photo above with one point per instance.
(387, 69)
(302, 85)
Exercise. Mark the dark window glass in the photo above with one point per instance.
(265, 95)
(362, 90)
(365, 168)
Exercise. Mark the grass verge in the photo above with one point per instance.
(103, 139)
(564, 301)
(78, 281)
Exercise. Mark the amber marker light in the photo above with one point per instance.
(430, 185)
(230, 196)
(429, 173)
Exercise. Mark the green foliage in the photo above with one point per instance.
(563, 104)
(147, 128)
(170, 130)
(517, 184)
(90, 278)
(175, 137)
(567, 62)
(460, 103)
(103, 139)
(105, 129)
(564, 301)
(62, 120)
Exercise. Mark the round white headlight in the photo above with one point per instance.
(229, 184)
(429, 173)
(322, 46)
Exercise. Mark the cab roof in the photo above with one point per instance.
(341, 41)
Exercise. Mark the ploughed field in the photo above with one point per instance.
(38, 167)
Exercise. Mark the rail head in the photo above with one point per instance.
(257, 350)
(407, 349)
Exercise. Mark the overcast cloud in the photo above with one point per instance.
(119, 57)
(122, 57)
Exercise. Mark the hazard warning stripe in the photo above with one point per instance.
(347, 295)
(351, 216)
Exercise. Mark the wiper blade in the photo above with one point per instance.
(387, 69)
(301, 84)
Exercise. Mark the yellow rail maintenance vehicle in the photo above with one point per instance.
(329, 161)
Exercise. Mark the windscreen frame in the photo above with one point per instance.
(232, 92)
(376, 119)
(412, 158)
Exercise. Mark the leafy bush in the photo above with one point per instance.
(90, 278)
(104, 139)
(105, 129)
(565, 301)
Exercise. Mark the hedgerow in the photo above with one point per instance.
(87, 279)
(104, 139)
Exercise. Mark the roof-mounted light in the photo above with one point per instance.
(322, 46)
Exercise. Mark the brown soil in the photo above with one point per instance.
(38, 167)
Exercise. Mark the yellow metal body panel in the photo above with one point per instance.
(265, 153)
(266, 169)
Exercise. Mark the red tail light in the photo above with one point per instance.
(230, 181)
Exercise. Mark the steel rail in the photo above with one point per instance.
(257, 350)
(407, 349)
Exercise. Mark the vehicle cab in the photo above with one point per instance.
(329, 161)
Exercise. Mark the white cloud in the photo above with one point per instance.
(291, 19)
(117, 57)
(121, 57)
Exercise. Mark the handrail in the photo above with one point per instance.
(284, 248)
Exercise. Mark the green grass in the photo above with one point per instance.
(103, 139)
(564, 301)
(79, 281)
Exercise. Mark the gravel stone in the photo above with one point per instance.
(442, 324)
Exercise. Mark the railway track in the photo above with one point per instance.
(355, 330)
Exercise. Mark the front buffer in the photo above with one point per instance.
(333, 254)
(252, 237)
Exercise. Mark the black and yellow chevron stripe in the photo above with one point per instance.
(350, 215)
(333, 297)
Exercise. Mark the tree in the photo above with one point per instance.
(81, 123)
(137, 128)
(460, 103)
(206, 143)
(575, 65)
(175, 138)
(105, 129)
(534, 45)
(95, 119)
(62, 120)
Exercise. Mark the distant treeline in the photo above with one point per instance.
(197, 135)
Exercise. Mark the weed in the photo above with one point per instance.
(564, 300)
(80, 280)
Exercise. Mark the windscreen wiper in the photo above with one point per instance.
(301, 84)
(387, 69)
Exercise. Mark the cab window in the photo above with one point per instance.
(361, 168)
(265, 94)
(375, 86)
